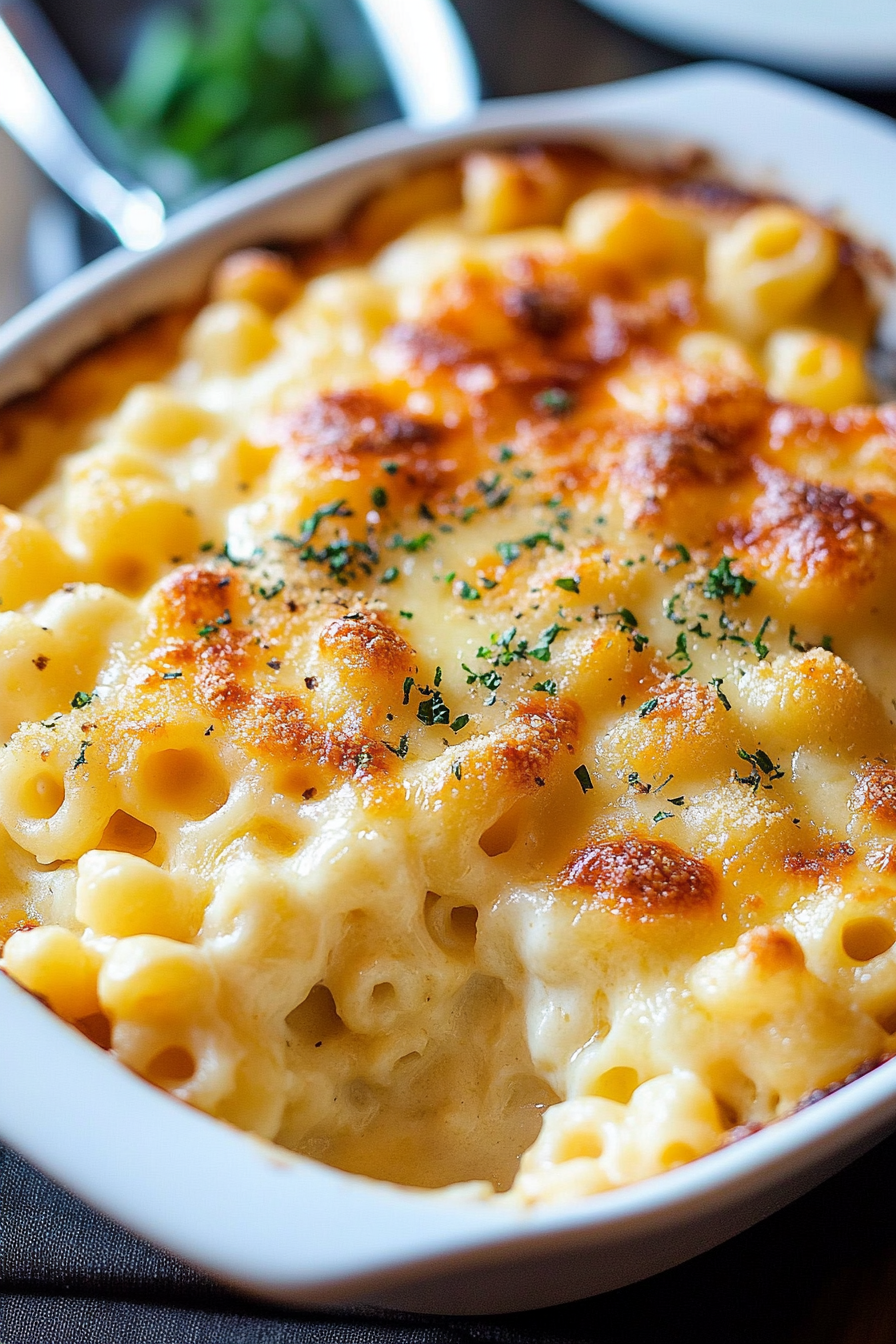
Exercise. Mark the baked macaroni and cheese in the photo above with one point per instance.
(447, 681)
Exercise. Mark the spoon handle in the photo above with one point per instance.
(34, 119)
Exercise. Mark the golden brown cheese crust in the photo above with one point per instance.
(495, 710)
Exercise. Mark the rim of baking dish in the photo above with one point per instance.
(230, 1203)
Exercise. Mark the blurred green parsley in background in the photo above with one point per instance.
(233, 86)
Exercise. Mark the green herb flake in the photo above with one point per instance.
(555, 401)
(506, 453)
(549, 686)
(82, 699)
(408, 615)
(759, 647)
(171, 676)
(402, 749)
(408, 687)
(389, 575)
(647, 707)
(433, 710)
(717, 682)
(680, 653)
(412, 544)
(662, 816)
(378, 497)
(722, 582)
(81, 759)
(762, 765)
(467, 591)
(584, 778)
(542, 650)
(569, 585)
(460, 722)
(268, 593)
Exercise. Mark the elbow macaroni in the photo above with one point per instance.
(459, 690)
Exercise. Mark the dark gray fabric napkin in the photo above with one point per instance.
(822, 1271)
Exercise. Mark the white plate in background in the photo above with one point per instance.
(285, 1227)
(837, 41)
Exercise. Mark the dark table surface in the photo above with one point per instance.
(822, 1271)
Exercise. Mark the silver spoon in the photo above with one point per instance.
(423, 45)
(33, 118)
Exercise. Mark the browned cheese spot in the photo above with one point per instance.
(363, 642)
(354, 424)
(810, 531)
(822, 860)
(218, 670)
(618, 324)
(875, 793)
(642, 880)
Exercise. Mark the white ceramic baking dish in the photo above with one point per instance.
(286, 1227)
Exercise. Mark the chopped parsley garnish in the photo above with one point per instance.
(501, 650)
(206, 546)
(681, 653)
(505, 453)
(81, 699)
(209, 629)
(762, 765)
(402, 749)
(569, 585)
(584, 778)
(460, 722)
(340, 558)
(363, 759)
(628, 624)
(549, 686)
(490, 680)
(717, 682)
(389, 575)
(378, 497)
(722, 582)
(467, 591)
(493, 492)
(390, 468)
(760, 648)
(434, 710)
(542, 650)
(171, 676)
(679, 801)
(825, 643)
(275, 588)
(647, 707)
(338, 509)
(555, 400)
(662, 816)
(408, 615)
(406, 690)
(456, 770)
(511, 550)
(412, 544)
(669, 604)
(81, 759)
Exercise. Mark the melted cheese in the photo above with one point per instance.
(456, 689)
